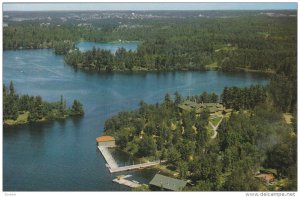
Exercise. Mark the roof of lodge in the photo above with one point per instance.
(199, 107)
(105, 138)
(167, 182)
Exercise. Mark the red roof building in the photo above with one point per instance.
(106, 140)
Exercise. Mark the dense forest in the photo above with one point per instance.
(253, 137)
(257, 42)
(20, 109)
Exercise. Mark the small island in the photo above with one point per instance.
(22, 109)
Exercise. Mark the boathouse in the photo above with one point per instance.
(167, 183)
(106, 140)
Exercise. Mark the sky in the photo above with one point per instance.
(145, 6)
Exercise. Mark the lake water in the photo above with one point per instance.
(62, 155)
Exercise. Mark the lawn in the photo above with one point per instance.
(22, 118)
(212, 66)
(215, 120)
(288, 118)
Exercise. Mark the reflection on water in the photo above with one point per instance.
(122, 158)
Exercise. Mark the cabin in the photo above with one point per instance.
(267, 176)
(160, 182)
(106, 140)
(212, 108)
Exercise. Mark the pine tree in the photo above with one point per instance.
(77, 108)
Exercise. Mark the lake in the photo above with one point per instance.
(62, 155)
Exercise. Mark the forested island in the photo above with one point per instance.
(22, 109)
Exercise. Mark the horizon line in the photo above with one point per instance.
(148, 6)
(150, 10)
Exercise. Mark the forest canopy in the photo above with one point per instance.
(253, 136)
(256, 42)
(20, 109)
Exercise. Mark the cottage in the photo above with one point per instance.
(268, 176)
(167, 183)
(106, 140)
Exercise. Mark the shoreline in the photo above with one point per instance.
(142, 70)
(26, 122)
(270, 72)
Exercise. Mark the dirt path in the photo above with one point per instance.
(215, 128)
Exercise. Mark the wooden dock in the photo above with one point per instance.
(123, 181)
(113, 166)
(134, 167)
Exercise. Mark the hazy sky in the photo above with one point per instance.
(145, 6)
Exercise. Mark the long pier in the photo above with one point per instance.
(113, 166)
(108, 157)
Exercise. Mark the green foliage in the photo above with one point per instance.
(123, 137)
(283, 157)
(241, 180)
(173, 156)
(205, 98)
(10, 104)
(183, 169)
(201, 186)
(202, 135)
(147, 146)
(142, 188)
(245, 142)
(15, 104)
(62, 48)
(183, 46)
(283, 89)
(77, 108)
(243, 98)
(246, 42)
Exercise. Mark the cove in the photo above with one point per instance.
(62, 155)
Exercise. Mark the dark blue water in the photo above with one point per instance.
(112, 46)
(62, 155)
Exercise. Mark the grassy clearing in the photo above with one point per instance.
(212, 66)
(215, 121)
(226, 48)
(263, 34)
(22, 119)
(173, 126)
(245, 69)
(210, 130)
(166, 171)
(288, 117)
